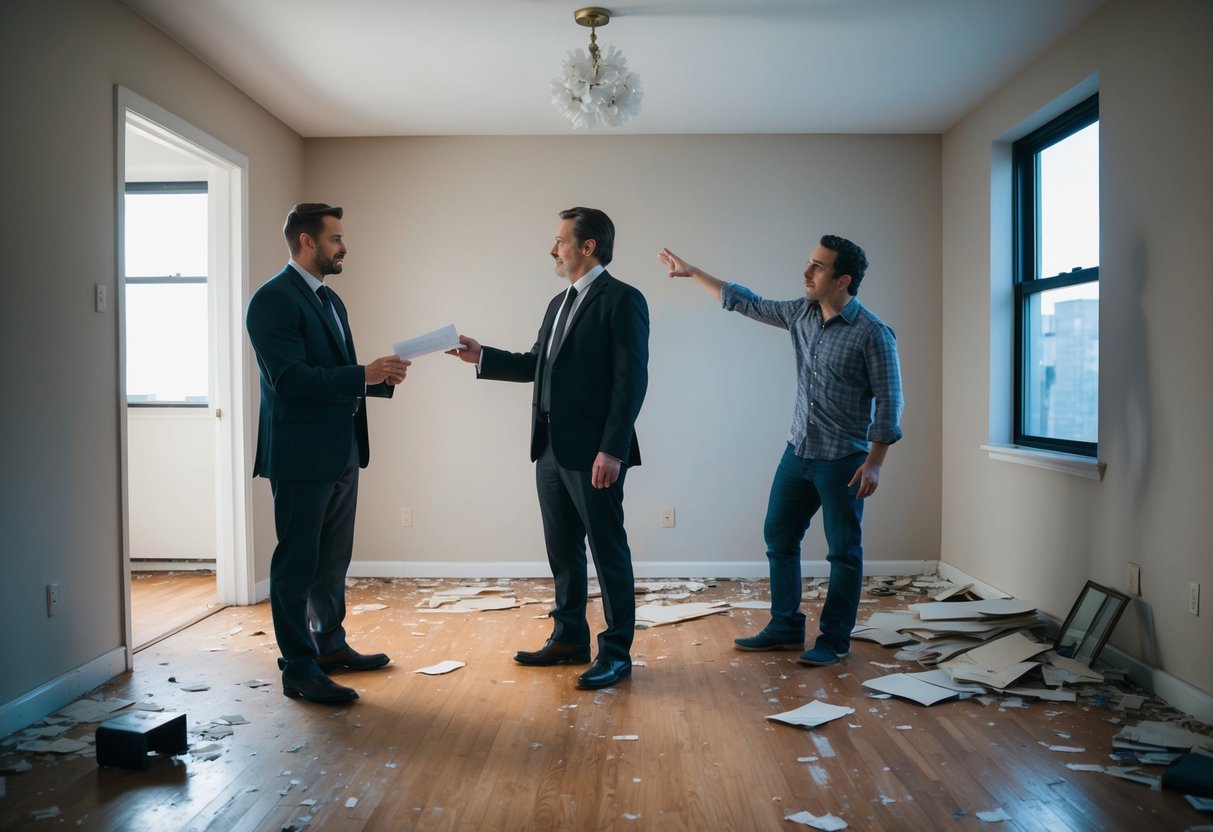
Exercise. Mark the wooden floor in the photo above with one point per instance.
(498, 746)
(163, 603)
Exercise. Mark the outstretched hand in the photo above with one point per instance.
(676, 265)
(468, 350)
(389, 368)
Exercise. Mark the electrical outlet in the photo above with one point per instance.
(102, 301)
(1133, 579)
(667, 517)
(1194, 598)
(52, 599)
(406, 516)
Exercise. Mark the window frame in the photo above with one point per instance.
(169, 187)
(1025, 156)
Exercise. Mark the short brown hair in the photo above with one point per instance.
(307, 218)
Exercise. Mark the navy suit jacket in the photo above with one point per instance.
(599, 376)
(311, 384)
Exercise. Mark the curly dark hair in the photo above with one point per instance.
(307, 218)
(850, 260)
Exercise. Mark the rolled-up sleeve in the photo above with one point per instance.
(884, 374)
(780, 313)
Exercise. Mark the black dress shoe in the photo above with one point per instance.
(604, 673)
(319, 689)
(554, 652)
(350, 659)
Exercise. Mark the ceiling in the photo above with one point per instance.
(484, 67)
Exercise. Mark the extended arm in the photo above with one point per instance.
(680, 268)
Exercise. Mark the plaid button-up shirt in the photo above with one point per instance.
(848, 376)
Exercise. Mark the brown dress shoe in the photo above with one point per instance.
(554, 652)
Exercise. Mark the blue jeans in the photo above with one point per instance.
(801, 486)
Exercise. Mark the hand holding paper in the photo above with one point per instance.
(445, 338)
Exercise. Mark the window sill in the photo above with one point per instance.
(1077, 466)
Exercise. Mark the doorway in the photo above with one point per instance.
(181, 267)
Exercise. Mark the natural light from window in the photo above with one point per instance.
(167, 349)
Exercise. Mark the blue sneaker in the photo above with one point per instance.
(767, 641)
(821, 656)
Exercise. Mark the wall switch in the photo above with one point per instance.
(102, 298)
(1194, 598)
(406, 516)
(52, 599)
(667, 517)
(1133, 579)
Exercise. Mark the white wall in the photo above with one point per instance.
(1039, 534)
(60, 514)
(171, 482)
(445, 230)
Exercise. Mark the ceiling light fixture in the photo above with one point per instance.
(595, 89)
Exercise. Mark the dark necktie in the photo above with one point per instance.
(330, 316)
(562, 324)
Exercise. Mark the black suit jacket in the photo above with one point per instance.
(310, 385)
(599, 376)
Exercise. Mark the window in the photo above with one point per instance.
(1056, 270)
(167, 331)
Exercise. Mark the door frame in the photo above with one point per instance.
(235, 578)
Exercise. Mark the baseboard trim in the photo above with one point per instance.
(55, 694)
(1171, 689)
(172, 565)
(643, 569)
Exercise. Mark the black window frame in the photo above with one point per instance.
(169, 187)
(1026, 171)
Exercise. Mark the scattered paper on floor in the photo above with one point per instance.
(654, 615)
(811, 715)
(827, 822)
(441, 667)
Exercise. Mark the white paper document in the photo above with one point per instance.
(812, 714)
(440, 340)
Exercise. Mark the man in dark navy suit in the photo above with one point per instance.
(590, 371)
(311, 442)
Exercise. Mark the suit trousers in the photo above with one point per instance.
(574, 511)
(315, 524)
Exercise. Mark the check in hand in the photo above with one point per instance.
(468, 350)
(389, 368)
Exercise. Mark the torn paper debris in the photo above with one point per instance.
(451, 604)
(359, 609)
(960, 610)
(1164, 735)
(994, 816)
(93, 710)
(654, 615)
(441, 667)
(811, 715)
(827, 822)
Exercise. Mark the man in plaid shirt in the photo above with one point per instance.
(848, 412)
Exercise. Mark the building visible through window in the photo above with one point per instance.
(1057, 283)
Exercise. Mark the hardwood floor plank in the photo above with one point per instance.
(498, 746)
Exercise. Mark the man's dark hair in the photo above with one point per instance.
(850, 260)
(307, 218)
(592, 224)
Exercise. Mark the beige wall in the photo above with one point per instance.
(1038, 534)
(458, 230)
(59, 505)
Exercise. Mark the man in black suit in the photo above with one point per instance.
(590, 370)
(311, 442)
